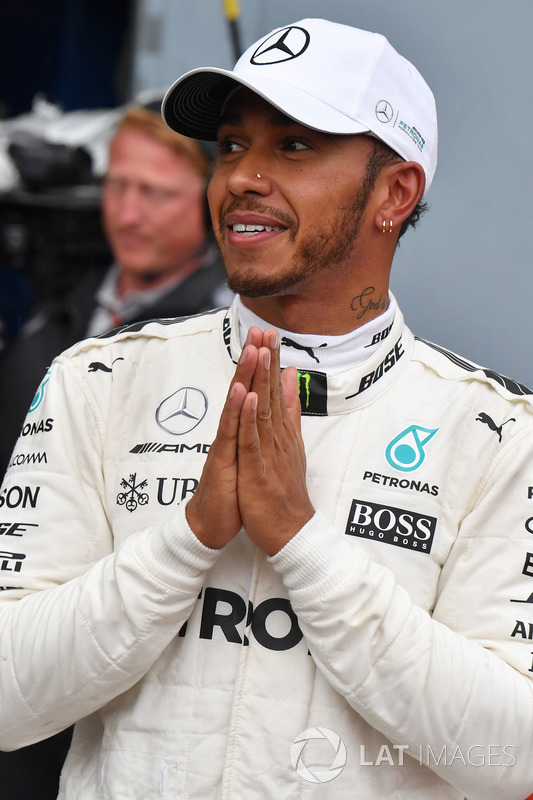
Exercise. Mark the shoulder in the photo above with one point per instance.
(151, 344)
(451, 366)
(148, 333)
(126, 366)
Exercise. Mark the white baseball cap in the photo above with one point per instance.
(326, 76)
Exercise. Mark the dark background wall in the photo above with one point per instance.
(75, 51)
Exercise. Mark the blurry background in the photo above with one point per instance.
(464, 279)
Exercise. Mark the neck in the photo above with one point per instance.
(324, 352)
(130, 282)
(324, 315)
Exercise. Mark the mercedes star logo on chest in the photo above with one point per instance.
(182, 411)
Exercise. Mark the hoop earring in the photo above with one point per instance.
(384, 228)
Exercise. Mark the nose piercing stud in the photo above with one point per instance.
(258, 175)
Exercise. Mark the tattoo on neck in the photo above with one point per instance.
(363, 303)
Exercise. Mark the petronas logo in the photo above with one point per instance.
(406, 451)
(39, 395)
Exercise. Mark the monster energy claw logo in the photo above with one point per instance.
(313, 391)
(304, 384)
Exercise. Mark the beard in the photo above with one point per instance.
(326, 249)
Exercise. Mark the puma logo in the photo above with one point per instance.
(94, 366)
(482, 417)
(309, 350)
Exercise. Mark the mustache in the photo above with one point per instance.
(252, 204)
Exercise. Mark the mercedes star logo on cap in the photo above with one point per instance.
(283, 45)
(384, 112)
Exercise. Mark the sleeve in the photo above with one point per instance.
(455, 685)
(79, 623)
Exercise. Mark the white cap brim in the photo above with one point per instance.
(194, 103)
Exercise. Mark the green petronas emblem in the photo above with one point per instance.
(406, 451)
(39, 395)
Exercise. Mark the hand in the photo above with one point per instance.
(213, 511)
(272, 494)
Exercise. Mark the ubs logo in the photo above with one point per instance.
(133, 494)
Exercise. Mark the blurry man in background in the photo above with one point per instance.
(165, 265)
(165, 262)
(155, 219)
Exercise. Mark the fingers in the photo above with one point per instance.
(289, 383)
(213, 511)
(247, 401)
(226, 439)
(253, 369)
(271, 340)
(261, 384)
(268, 411)
(266, 381)
(260, 409)
(277, 397)
(229, 420)
(258, 444)
(224, 447)
(272, 493)
(254, 336)
(245, 370)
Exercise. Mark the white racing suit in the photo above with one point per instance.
(385, 652)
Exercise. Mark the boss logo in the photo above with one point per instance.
(391, 525)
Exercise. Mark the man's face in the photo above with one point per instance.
(299, 222)
(152, 205)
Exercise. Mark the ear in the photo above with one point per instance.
(402, 188)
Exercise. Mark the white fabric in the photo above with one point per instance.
(398, 618)
(329, 354)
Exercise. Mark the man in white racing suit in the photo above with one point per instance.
(283, 549)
